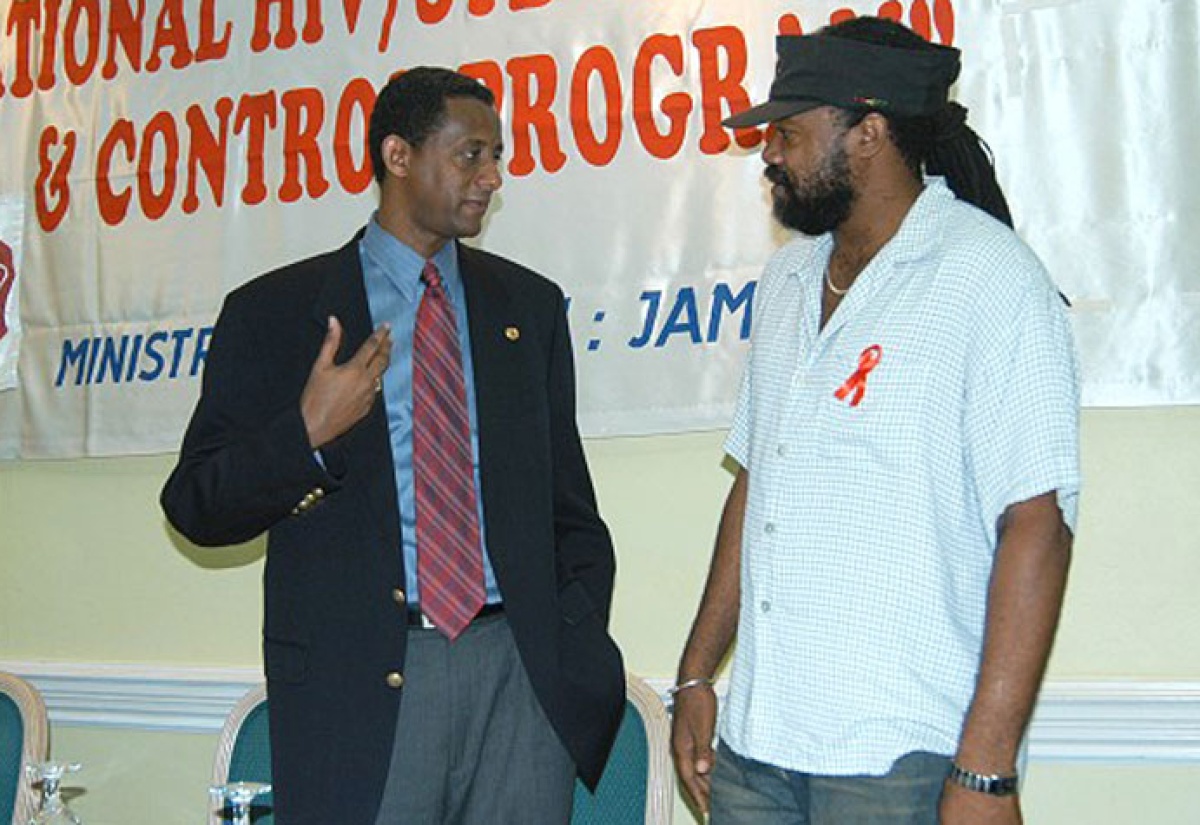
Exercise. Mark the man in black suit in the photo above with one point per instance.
(306, 428)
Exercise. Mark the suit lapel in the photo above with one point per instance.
(345, 297)
(488, 316)
(365, 451)
(491, 319)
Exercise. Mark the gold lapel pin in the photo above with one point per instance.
(512, 333)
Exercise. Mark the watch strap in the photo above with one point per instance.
(990, 784)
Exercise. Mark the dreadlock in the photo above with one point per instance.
(940, 144)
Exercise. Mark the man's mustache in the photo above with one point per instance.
(778, 175)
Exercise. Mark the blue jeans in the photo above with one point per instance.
(746, 792)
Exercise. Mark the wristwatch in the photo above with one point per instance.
(992, 784)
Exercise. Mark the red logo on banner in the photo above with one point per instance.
(856, 384)
(8, 277)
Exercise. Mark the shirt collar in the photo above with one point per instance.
(402, 265)
(913, 239)
(920, 232)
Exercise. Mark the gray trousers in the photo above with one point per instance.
(472, 743)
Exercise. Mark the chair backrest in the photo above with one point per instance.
(23, 740)
(244, 753)
(638, 785)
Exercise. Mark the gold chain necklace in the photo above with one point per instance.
(829, 283)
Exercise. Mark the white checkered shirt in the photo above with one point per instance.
(870, 529)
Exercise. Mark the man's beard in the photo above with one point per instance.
(820, 205)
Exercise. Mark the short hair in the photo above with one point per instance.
(413, 106)
(939, 144)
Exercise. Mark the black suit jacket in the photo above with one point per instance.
(334, 625)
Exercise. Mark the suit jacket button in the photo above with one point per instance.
(399, 597)
(395, 680)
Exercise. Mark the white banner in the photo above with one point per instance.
(169, 150)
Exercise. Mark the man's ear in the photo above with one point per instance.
(396, 152)
(871, 135)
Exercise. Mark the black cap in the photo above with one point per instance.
(827, 70)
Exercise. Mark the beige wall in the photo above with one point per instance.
(90, 573)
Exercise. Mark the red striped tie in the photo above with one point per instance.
(449, 553)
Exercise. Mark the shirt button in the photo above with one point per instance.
(781, 450)
(765, 606)
(395, 679)
(769, 528)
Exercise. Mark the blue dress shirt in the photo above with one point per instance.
(392, 273)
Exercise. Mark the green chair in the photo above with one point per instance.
(244, 754)
(638, 785)
(23, 741)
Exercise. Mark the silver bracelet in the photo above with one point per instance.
(690, 683)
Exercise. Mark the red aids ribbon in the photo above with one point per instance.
(856, 384)
(8, 277)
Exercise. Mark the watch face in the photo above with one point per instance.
(1003, 785)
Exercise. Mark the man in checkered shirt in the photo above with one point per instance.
(894, 549)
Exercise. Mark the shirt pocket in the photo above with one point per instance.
(880, 415)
